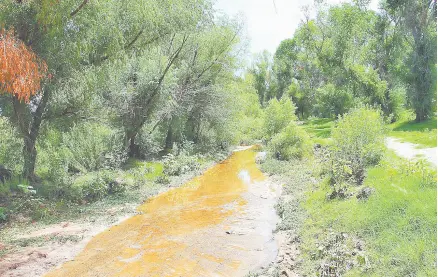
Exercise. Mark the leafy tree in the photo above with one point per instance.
(418, 19)
(21, 70)
(263, 76)
(278, 114)
(77, 41)
(332, 101)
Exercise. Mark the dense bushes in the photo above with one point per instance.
(94, 186)
(332, 101)
(181, 160)
(278, 114)
(94, 146)
(358, 142)
(10, 146)
(291, 142)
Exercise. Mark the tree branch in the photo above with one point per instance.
(73, 13)
(134, 40)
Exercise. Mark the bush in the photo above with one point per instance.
(358, 142)
(175, 165)
(278, 114)
(96, 185)
(332, 101)
(396, 103)
(292, 142)
(10, 147)
(53, 163)
(93, 147)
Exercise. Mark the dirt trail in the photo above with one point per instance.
(410, 151)
(218, 224)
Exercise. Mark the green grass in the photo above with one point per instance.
(397, 223)
(319, 129)
(422, 133)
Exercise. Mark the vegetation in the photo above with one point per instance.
(421, 133)
(392, 233)
(107, 102)
(385, 226)
(291, 142)
(358, 142)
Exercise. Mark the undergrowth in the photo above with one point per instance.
(393, 231)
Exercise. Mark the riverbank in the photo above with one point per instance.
(385, 226)
(33, 246)
(228, 224)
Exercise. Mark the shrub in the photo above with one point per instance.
(53, 163)
(278, 114)
(94, 186)
(93, 147)
(358, 142)
(10, 147)
(332, 101)
(396, 103)
(175, 165)
(292, 142)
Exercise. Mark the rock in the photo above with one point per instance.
(287, 273)
(364, 193)
(260, 157)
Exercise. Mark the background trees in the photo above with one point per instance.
(148, 70)
(348, 55)
(147, 77)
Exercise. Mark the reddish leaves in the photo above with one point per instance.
(21, 70)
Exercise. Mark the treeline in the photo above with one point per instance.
(87, 84)
(349, 55)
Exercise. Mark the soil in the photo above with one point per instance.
(411, 151)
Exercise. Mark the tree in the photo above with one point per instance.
(21, 71)
(263, 75)
(77, 40)
(418, 19)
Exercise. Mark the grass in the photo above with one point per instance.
(319, 129)
(397, 224)
(422, 133)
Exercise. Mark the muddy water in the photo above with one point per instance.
(218, 224)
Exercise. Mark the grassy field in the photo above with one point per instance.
(319, 129)
(393, 233)
(390, 232)
(422, 133)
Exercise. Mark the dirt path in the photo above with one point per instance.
(218, 224)
(410, 151)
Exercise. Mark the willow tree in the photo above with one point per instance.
(417, 18)
(21, 73)
(76, 39)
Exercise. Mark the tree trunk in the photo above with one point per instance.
(29, 154)
(169, 139)
(134, 150)
(29, 127)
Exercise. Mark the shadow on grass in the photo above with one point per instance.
(412, 126)
(320, 127)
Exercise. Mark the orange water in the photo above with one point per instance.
(153, 243)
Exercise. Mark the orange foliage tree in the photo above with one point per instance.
(21, 71)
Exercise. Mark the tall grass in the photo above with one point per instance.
(397, 223)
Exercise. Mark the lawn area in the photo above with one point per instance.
(319, 129)
(392, 233)
(422, 133)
